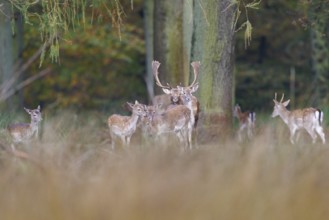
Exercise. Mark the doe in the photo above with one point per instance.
(125, 126)
(246, 120)
(23, 132)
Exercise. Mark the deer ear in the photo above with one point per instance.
(195, 87)
(39, 107)
(27, 110)
(130, 105)
(167, 91)
(286, 103)
(136, 102)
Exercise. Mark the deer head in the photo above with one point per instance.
(35, 114)
(279, 106)
(186, 92)
(137, 108)
(179, 91)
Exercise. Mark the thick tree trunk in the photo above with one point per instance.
(320, 50)
(149, 31)
(168, 42)
(213, 45)
(11, 47)
(6, 43)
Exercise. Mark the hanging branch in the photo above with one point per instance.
(12, 91)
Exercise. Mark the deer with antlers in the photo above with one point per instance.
(125, 126)
(246, 120)
(308, 118)
(180, 94)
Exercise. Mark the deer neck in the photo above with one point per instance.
(284, 114)
(133, 120)
(34, 124)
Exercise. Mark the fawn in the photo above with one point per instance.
(308, 118)
(23, 132)
(246, 122)
(174, 120)
(125, 126)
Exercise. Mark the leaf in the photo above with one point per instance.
(247, 33)
(253, 5)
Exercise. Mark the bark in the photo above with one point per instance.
(11, 47)
(320, 49)
(213, 45)
(149, 32)
(168, 42)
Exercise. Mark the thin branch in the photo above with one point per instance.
(5, 86)
(25, 83)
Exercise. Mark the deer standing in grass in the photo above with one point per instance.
(173, 120)
(23, 132)
(125, 126)
(308, 118)
(246, 120)
(182, 95)
(177, 94)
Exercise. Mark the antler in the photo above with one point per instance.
(196, 66)
(155, 67)
(282, 98)
(275, 96)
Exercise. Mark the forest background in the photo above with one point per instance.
(102, 63)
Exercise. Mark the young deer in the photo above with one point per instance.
(125, 126)
(308, 118)
(246, 122)
(23, 132)
(173, 120)
(178, 95)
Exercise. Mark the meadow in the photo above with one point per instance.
(72, 173)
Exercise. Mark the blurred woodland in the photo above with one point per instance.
(103, 62)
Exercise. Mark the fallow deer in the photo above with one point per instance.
(308, 118)
(246, 120)
(125, 126)
(173, 120)
(24, 132)
(179, 94)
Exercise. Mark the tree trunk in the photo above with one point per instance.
(168, 42)
(320, 49)
(149, 36)
(11, 47)
(213, 44)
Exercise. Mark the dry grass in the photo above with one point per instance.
(73, 174)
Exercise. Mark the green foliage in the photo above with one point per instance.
(56, 18)
(96, 69)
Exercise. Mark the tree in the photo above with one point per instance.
(319, 22)
(11, 47)
(213, 44)
(169, 45)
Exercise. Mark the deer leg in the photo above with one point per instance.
(312, 133)
(297, 136)
(112, 140)
(320, 132)
(189, 133)
(250, 132)
(240, 132)
(128, 140)
(292, 134)
(181, 138)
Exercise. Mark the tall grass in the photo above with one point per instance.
(73, 174)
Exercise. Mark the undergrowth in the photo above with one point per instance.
(72, 173)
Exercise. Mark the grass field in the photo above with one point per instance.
(72, 173)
